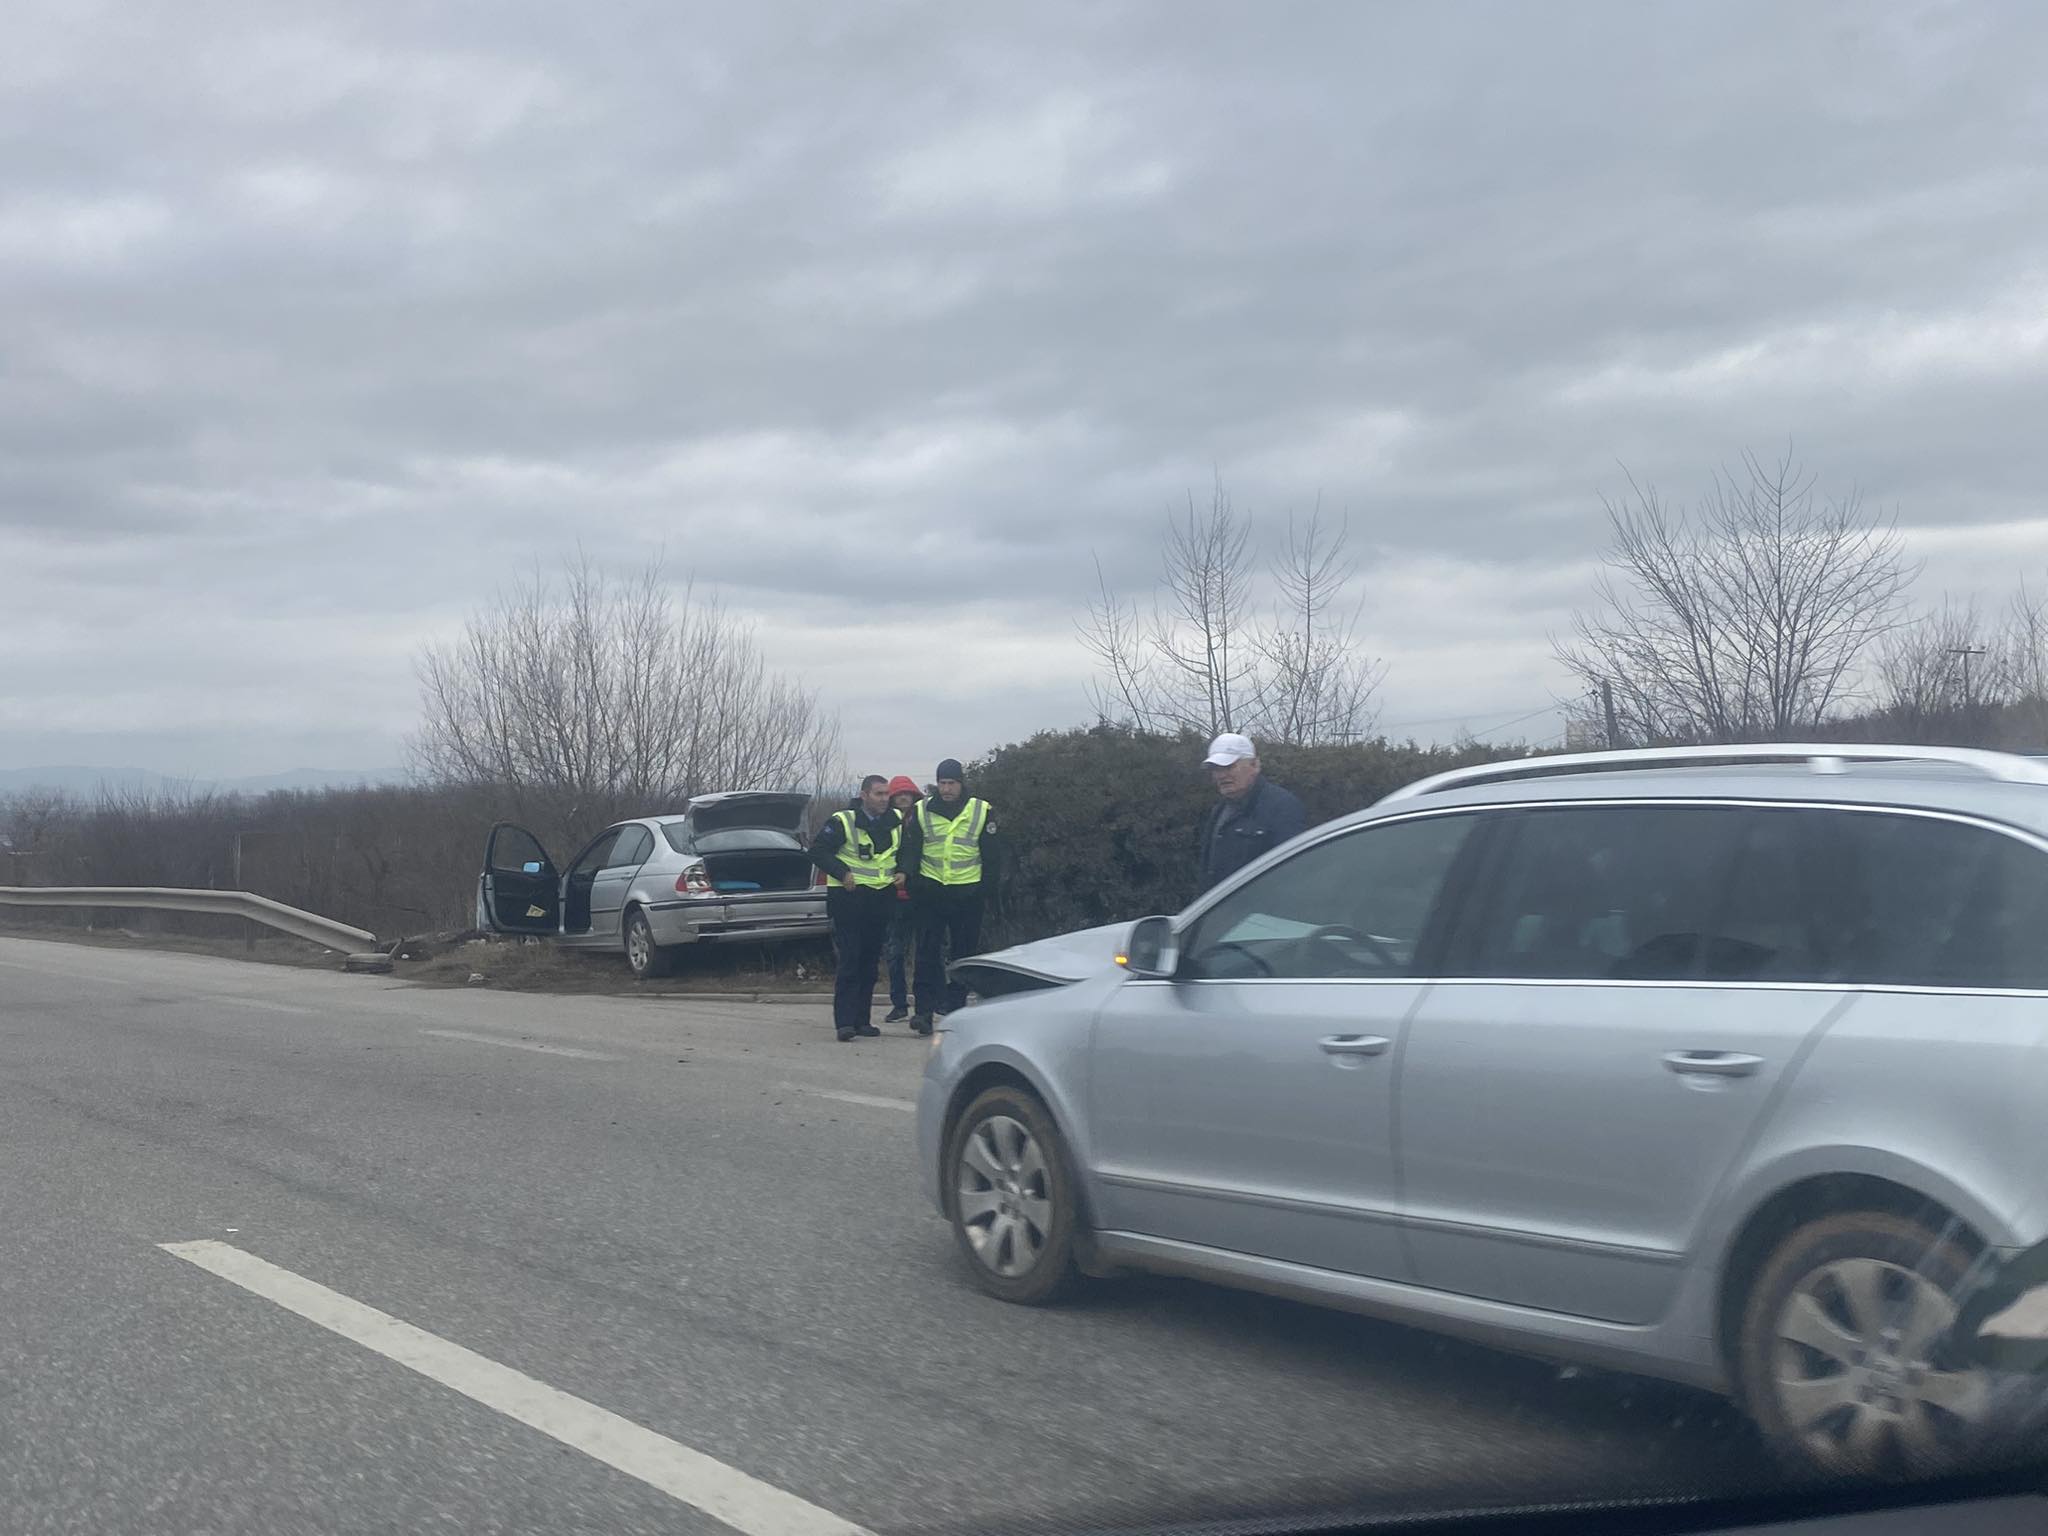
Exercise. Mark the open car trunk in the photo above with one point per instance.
(781, 810)
(742, 871)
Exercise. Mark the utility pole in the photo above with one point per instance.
(235, 871)
(1607, 709)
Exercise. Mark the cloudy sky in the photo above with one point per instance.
(321, 323)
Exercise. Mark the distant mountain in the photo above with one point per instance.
(87, 782)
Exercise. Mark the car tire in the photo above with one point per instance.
(1833, 1356)
(648, 960)
(1011, 1197)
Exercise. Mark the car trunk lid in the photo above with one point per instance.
(778, 809)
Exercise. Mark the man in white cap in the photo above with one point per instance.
(1254, 815)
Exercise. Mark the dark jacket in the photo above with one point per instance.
(913, 842)
(1239, 831)
(881, 831)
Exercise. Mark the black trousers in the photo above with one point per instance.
(860, 928)
(948, 927)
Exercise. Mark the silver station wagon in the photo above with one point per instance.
(1726, 1065)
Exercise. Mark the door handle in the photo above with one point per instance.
(1713, 1063)
(1354, 1045)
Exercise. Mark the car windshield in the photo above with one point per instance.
(881, 769)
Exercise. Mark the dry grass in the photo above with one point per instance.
(539, 966)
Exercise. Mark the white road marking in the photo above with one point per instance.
(873, 1099)
(261, 1005)
(725, 1493)
(520, 1045)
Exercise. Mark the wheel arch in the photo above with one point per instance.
(997, 1072)
(1792, 1205)
(634, 907)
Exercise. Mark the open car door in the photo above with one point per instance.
(520, 890)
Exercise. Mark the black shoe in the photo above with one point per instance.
(865, 1030)
(921, 1025)
(845, 1035)
(896, 1015)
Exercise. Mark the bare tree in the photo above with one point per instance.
(1117, 639)
(1201, 640)
(2020, 650)
(29, 823)
(1942, 667)
(594, 696)
(1317, 686)
(1206, 662)
(1744, 618)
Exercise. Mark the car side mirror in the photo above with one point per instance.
(1151, 950)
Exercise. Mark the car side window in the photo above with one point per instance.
(1354, 905)
(515, 852)
(631, 849)
(1932, 902)
(1780, 917)
(1597, 892)
(597, 855)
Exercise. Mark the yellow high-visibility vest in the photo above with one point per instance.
(952, 854)
(868, 867)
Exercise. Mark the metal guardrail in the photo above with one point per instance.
(153, 898)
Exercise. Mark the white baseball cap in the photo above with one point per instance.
(1230, 748)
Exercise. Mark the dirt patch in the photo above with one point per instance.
(539, 966)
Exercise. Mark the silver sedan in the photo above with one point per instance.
(731, 866)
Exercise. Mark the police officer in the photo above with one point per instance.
(950, 846)
(858, 849)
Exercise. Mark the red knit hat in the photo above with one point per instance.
(903, 784)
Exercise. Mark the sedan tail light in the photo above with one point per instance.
(694, 881)
(820, 880)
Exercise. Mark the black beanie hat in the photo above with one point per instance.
(950, 769)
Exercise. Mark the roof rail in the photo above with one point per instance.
(1822, 758)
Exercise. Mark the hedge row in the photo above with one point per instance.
(1102, 824)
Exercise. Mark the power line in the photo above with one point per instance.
(1402, 725)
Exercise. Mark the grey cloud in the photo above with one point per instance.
(336, 320)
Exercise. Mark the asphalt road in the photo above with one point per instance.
(700, 1218)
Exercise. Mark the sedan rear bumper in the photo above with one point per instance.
(754, 919)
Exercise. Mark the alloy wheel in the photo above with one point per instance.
(1853, 1373)
(1003, 1193)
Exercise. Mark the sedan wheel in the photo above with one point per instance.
(647, 958)
(1843, 1351)
(1010, 1197)
(1004, 1196)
